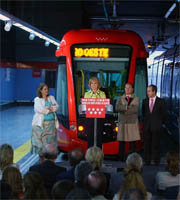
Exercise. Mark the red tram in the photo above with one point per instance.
(115, 57)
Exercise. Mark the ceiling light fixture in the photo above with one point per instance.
(8, 25)
(7, 18)
(31, 36)
(46, 43)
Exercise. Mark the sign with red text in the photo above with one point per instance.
(95, 108)
(36, 73)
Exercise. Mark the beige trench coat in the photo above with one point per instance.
(128, 129)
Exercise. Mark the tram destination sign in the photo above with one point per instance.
(101, 51)
(91, 52)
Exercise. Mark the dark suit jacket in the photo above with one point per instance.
(153, 121)
(48, 171)
(69, 174)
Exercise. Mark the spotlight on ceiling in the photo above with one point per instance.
(31, 36)
(8, 25)
(46, 43)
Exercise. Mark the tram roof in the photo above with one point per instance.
(105, 36)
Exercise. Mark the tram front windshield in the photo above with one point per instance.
(110, 63)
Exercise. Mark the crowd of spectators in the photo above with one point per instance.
(84, 178)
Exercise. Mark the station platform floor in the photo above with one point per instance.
(15, 129)
(15, 125)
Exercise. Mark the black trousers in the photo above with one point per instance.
(90, 131)
(122, 147)
(152, 146)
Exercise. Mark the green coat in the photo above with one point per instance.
(99, 94)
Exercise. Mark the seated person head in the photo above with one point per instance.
(82, 170)
(96, 183)
(75, 156)
(95, 157)
(34, 186)
(6, 156)
(172, 163)
(50, 151)
(13, 177)
(134, 159)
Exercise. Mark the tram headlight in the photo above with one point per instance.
(116, 129)
(80, 128)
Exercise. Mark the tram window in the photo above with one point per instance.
(150, 68)
(154, 73)
(62, 95)
(176, 88)
(112, 71)
(140, 81)
(159, 73)
(50, 78)
(166, 82)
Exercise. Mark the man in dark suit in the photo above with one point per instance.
(48, 169)
(74, 157)
(154, 113)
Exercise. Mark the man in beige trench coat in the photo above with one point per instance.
(128, 131)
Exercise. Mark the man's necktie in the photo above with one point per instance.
(151, 105)
(128, 99)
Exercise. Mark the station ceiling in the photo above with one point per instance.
(147, 18)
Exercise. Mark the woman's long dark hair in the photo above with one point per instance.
(12, 176)
(173, 163)
(34, 188)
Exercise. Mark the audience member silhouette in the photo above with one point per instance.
(132, 180)
(95, 157)
(13, 177)
(133, 159)
(48, 169)
(74, 157)
(34, 186)
(96, 185)
(6, 157)
(61, 189)
(82, 170)
(169, 178)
